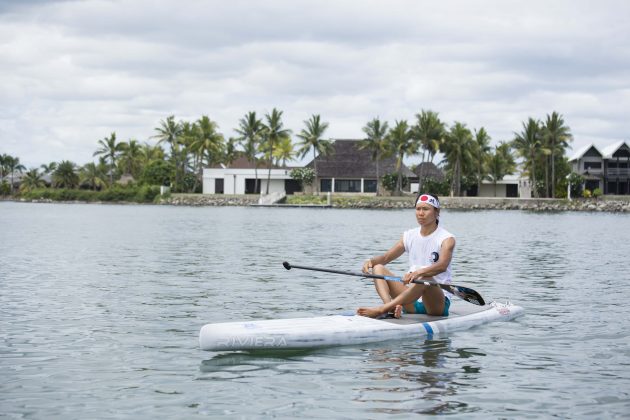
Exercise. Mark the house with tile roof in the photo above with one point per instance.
(349, 169)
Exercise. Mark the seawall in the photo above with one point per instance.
(607, 204)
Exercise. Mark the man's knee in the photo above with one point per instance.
(379, 269)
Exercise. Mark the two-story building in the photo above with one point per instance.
(607, 169)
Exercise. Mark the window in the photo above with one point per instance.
(591, 184)
(348, 185)
(592, 165)
(252, 186)
(511, 190)
(325, 185)
(218, 186)
(369, 185)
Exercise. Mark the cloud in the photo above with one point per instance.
(72, 72)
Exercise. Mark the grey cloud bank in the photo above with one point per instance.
(72, 72)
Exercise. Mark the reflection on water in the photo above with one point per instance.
(425, 377)
(242, 361)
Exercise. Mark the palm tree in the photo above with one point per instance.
(528, 144)
(47, 169)
(169, 131)
(284, 151)
(131, 158)
(250, 131)
(312, 138)
(3, 163)
(110, 149)
(500, 163)
(93, 176)
(400, 142)
(32, 180)
(210, 142)
(376, 143)
(206, 144)
(557, 136)
(273, 132)
(150, 153)
(13, 165)
(429, 131)
(230, 154)
(65, 175)
(457, 149)
(481, 153)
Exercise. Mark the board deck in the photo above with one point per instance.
(335, 330)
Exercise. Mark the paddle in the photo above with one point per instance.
(465, 293)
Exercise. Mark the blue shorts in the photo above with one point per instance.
(420, 309)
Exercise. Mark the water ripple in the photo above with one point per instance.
(100, 308)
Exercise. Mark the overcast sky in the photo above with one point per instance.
(72, 72)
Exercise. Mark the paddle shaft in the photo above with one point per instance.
(366, 275)
(462, 292)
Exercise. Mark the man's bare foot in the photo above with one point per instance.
(398, 311)
(370, 312)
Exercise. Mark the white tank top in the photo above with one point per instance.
(425, 250)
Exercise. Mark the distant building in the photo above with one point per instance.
(240, 178)
(350, 169)
(607, 169)
(424, 171)
(510, 186)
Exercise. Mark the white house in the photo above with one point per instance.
(509, 186)
(240, 178)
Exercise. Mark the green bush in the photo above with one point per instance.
(143, 194)
(577, 181)
(597, 192)
(434, 186)
(304, 176)
(389, 181)
(586, 193)
(5, 188)
(158, 172)
(306, 199)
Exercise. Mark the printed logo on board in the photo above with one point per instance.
(504, 311)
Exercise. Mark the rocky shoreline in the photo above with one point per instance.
(460, 203)
(607, 204)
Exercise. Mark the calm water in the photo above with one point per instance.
(100, 307)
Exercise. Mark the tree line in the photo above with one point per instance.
(183, 149)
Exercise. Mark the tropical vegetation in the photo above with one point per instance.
(181, 149)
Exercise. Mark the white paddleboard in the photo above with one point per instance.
(336, 330)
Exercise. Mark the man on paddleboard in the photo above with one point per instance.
(430, 248)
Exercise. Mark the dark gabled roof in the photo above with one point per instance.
(241, 162)
(348, 161)
(429, 170)
(590, 149)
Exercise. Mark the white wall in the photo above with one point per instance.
(234, 179)
(487, 190)
(275, 185)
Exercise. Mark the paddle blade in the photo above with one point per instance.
(465, 293)
(286, 265)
